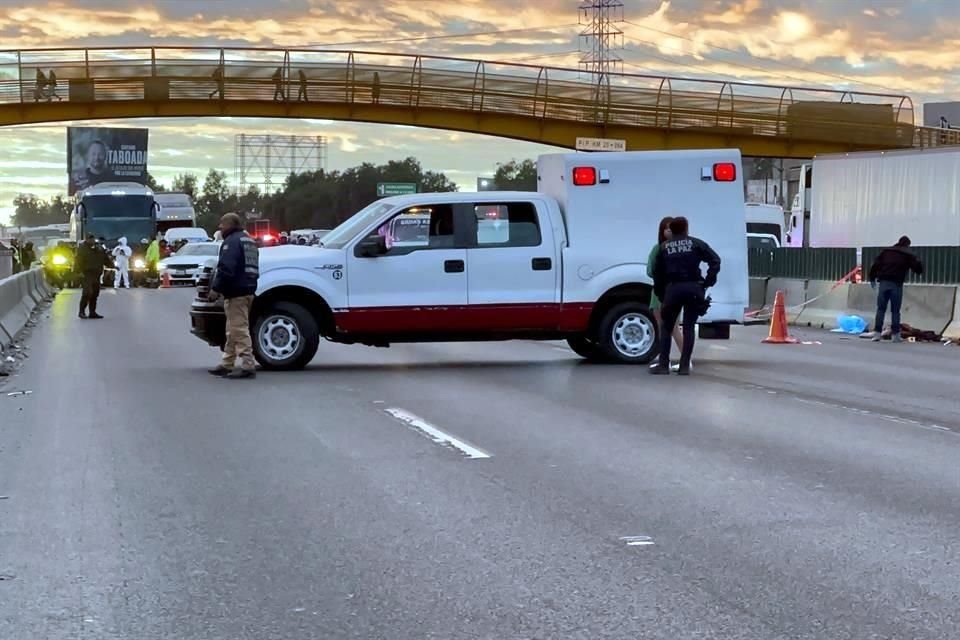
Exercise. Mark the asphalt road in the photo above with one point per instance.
(810, 491)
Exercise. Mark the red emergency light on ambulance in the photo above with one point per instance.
(565, 262)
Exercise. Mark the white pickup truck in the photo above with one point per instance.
(566, 262)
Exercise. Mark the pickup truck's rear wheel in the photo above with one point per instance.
(285, 336)
(628, 334)
(584, 347)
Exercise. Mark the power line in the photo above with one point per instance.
(673, 62)
(740, 53)
(555, 54)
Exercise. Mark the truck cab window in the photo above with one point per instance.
(418, 228)
(511, 224)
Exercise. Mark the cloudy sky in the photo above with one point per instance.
(904, 46)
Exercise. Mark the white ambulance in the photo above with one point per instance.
(565, 262)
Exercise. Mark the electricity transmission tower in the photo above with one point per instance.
(265, 161)
(601, 38)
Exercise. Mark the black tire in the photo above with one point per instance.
(291, 321)
(618, 330)
(584, 347)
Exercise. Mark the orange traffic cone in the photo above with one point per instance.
(165, 280)
(778, 323)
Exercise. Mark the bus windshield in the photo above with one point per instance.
(118, 207)
(113, 217)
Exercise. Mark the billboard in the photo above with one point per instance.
(102, 154)
(939, 114)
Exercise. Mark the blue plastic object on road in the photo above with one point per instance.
(851, 324)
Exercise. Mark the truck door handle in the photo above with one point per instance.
(453, 266)
(541, 264)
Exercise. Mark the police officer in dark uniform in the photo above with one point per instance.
(679, 282)
(91, 259)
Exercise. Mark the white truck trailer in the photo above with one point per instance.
(870, 199)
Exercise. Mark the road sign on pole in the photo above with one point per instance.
(601, 144)
(387, 189)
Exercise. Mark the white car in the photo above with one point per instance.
(185, 266)
(190, 234)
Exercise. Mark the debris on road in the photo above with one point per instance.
(13, 394)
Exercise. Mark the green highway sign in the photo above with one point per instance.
(387, 189)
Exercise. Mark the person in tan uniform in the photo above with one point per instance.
(238, 270)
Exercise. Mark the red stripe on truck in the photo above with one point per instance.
(465, 318)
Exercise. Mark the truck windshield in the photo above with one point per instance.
(347, 231)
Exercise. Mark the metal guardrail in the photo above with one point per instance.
(804, 264)
(941, 264)
(400, 81)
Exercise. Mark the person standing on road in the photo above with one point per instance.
(891, 268)
(91, 259)
(28, 256)
(238, 270)
(663, 234)
(121, 254)
(17, 255)
(681, 285)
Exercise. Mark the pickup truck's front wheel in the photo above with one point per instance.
(285, 337)
(628, 334)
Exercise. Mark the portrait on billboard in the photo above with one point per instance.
(101, 154)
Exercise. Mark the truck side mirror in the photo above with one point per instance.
(372, 246)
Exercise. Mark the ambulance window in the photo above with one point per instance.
(512, 224)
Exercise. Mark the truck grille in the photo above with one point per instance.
(203, 284)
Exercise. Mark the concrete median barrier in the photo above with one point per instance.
(34, 279)
(953, 329)
(25, 286)
(19, 296)
(825, 301)
(14, 312)
(794, 292)
(43, 287)
(758, 292)
(928, 307)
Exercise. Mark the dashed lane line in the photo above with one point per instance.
(437, 435)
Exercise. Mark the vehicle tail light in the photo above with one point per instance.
(584, 176)
(725, 172)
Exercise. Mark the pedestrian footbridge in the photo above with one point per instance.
(541, 104)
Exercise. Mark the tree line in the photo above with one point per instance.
(318, 200)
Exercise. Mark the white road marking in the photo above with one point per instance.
(438, 436)
(873, 414)
(637, 541)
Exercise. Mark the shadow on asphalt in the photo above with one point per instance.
(485, 365)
